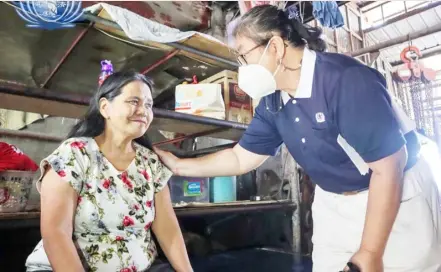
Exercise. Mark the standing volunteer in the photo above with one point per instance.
(376, 201)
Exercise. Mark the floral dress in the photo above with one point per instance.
(115, 208)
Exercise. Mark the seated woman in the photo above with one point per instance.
(103, 190)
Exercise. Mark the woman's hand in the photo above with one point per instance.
(228, 162)
(167, 158)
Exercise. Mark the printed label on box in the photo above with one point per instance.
(239, 94)
(240, 105)
(183, 105)
(192, 188)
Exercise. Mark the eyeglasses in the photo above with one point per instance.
(241, 57)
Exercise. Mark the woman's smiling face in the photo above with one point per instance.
(130, 113)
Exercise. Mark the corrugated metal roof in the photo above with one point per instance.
(414, 23)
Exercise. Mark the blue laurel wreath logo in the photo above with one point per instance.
(49, 14)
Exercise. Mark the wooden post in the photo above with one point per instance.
(337, 44)
(351, 47)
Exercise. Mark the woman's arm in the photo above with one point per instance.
(384, 200)
(368, 122)
(167, 231)
(259, 141)
(58, 204)
(229, 162)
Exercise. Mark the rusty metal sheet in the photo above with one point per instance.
(184, 15)
(197, 41)
(29, 55)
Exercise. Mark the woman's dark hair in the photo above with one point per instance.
(262, 22)
(92, 124)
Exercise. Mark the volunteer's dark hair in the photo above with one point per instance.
(262, 22)
(92, 124)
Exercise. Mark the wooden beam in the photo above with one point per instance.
(375, 4)
(350, 7)
(351, 46)
(30, 135)
(329, 41)
(369, 5)
(337, 45)
(42, 106)
(352, 32)
(363, 41)
(373, 57)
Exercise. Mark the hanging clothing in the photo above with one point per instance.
(12, 158)
(327, 13)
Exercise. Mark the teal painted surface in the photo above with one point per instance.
(222, 189)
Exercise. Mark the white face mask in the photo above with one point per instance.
(256, 80)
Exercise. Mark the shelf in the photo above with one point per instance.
(32, 219)
(168, 120)
(29, 99)
(19, 215)
(19, 220)
(239, 206)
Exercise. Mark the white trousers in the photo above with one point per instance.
(415, 241)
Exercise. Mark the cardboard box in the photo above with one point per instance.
(238, 105)
(200, 99)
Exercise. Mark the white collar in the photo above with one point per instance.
(304, 89)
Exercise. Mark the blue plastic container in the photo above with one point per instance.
(223, 189)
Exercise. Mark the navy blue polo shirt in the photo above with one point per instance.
(337, 97)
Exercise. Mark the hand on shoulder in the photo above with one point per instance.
(168, 159)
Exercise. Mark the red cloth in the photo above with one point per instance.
(11, 158)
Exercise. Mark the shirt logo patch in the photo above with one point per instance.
(320, 117)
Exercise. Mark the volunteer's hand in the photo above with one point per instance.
(168, 159)
(367, 261)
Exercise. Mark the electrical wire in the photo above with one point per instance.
(145, 46)
(126, 41)
(14, 6)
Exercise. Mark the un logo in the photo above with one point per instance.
(49, 14)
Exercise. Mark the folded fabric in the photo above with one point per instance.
(327, 13)
(12, 158)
